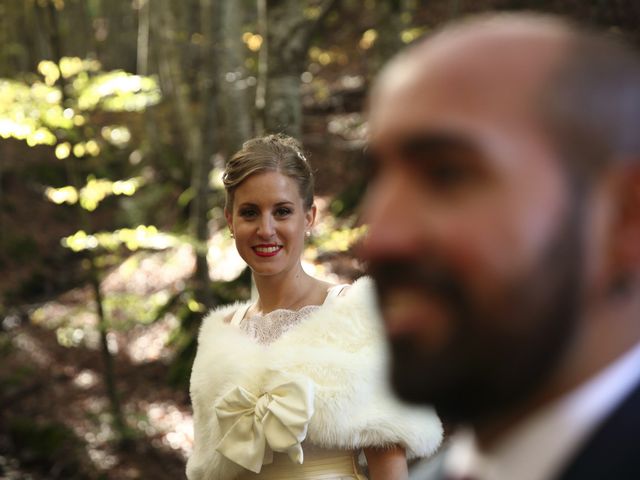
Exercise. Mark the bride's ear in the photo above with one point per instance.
(229, 217)
(310, 216)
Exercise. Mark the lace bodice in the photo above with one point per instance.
(268, 328)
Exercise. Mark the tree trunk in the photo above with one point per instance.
(119, 35)
(142, 54)
(263, 68)
(289, 34)
(285, 49)
(178, 90)
(75, 28)
(232, 75)
(208, 85)
(29, 37)
(107, 358)
(202, 165)
(6, 40)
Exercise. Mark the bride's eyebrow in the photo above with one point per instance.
(281, 203)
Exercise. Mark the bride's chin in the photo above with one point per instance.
(265, 270)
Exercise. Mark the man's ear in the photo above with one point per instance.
(310, 216)
(625, 241)
(229, 217)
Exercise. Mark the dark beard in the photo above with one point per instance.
(500, 351)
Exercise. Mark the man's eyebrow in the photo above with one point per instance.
(432, 144)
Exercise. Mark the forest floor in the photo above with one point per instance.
(54, 413)
(55, 420)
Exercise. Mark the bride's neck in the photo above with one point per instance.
(288, 291)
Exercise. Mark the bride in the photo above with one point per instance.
(292, 386)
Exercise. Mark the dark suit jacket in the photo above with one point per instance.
(612, 452)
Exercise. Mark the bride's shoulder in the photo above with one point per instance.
(359, 287)
(355, 298)
(221, 315)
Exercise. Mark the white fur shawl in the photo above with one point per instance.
(341, 348)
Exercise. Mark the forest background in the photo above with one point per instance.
(116, 119)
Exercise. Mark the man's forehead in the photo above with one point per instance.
(499, 61)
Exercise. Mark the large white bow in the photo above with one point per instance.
(255, 427)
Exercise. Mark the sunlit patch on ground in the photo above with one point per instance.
(147, 272)
(174, 424)
(86, 379)
(150, 343)
(45, 383)
(28, 343)
(11, 470)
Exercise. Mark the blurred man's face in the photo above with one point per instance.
(474, 241)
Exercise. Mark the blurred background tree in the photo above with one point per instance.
(116, 120)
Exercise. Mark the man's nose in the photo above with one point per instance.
(390, 210)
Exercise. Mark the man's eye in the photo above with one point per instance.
(446, 174)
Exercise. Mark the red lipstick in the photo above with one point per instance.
(267, 249)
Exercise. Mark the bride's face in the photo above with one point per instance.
(268, 220)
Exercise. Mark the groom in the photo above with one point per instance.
(505, 243)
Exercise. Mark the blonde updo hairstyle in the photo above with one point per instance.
(271, 153)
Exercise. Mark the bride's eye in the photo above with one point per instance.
(283, 212)
(248, 213)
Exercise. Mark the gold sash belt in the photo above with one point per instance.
(328, 465)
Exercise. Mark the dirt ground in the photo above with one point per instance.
(53, 417)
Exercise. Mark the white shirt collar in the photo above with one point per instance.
(538, 447)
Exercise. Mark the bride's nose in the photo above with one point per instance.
(266, 227)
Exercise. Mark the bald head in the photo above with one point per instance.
(581, 89)
(477, 51)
